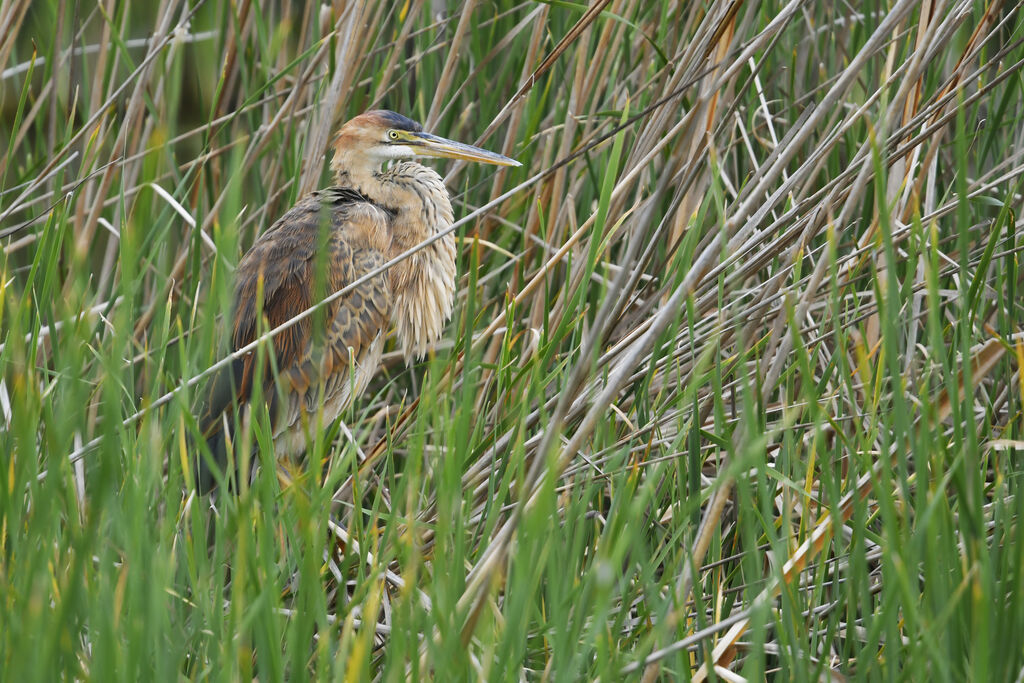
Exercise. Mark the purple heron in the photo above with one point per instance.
(368, 217)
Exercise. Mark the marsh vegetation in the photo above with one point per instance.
(732, 387)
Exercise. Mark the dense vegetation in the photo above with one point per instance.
(732, 388)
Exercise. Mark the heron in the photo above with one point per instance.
(381, 204)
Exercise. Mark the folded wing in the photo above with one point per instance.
(326, 242)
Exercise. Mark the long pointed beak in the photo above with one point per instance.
(434, 146)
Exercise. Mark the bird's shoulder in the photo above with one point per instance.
(343, 226)
(344, 210)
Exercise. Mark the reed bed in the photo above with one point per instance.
(732, 389)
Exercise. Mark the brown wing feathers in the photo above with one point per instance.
(281, 265)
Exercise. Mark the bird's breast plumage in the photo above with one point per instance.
(424, 283)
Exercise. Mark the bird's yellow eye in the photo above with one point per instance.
(393, 134)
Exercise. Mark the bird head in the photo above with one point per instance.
(376, 137)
